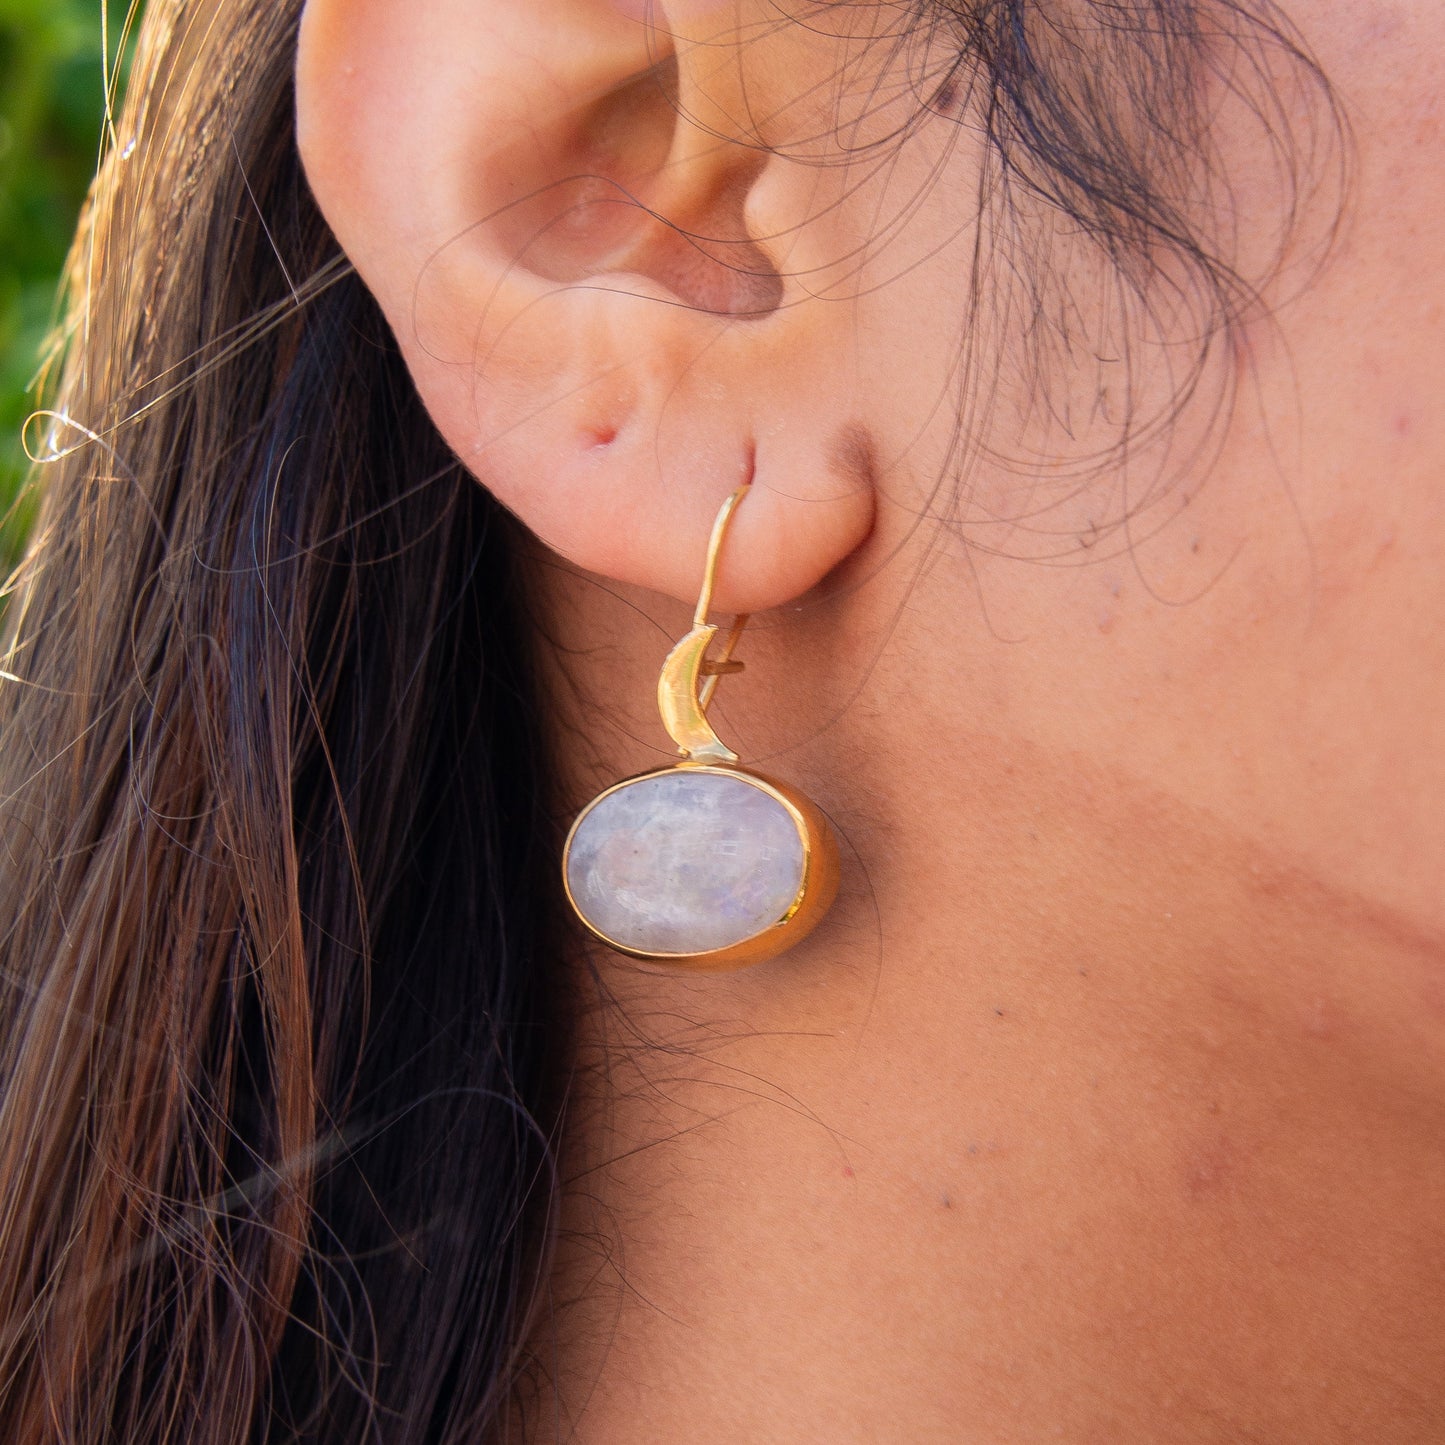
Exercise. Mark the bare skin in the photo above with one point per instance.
(1109, 1103)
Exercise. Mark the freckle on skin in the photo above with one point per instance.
(1211, 1169)
(1322, 1019)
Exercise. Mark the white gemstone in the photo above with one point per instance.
(685, 861)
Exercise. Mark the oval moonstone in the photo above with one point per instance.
(685, 862)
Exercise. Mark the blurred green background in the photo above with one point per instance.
(52, 108)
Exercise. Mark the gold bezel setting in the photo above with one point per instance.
(816, 890)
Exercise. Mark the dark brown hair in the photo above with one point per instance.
(271, 1158)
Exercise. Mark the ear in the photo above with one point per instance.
(603, 269)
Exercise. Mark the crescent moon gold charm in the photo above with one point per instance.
(704, 865)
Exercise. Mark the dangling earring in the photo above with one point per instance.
(704, 864)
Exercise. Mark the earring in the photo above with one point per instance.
(702, 865)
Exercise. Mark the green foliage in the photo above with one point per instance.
(52, 116)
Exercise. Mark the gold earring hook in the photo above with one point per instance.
(689, 677)
(714, 553)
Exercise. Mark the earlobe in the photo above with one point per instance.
(580, 244)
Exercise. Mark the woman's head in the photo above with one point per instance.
(281, 1056)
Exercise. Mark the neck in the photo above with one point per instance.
(1077, 1067)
